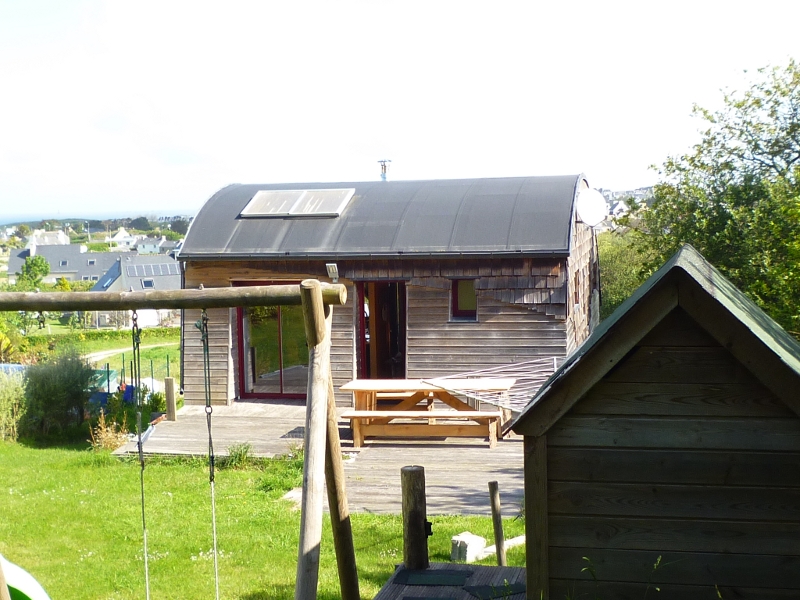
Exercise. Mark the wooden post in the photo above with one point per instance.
(497, 523)
(169, 394)
(337, 503)
(4, 593)
(415, 513)
(318, 329)
(537, 542)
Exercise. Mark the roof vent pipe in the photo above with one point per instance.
(384, 166)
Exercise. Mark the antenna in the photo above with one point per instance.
(384, 167)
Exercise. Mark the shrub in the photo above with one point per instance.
(12, 405)
(56, 392)
(107, 435)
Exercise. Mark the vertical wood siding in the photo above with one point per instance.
(679, 452)
(503, 334)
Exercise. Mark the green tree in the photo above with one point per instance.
(140, 223)
(22, 231)
(736, 195)
(621, 269)
(180, 226)
(33, 270)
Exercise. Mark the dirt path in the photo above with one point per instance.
(98, 356)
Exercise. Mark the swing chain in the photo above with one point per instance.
(202, 325)
(136, 377)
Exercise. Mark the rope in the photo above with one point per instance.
(136, 376)
(530, 375)
(202, 325)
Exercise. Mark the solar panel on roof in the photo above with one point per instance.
(298, 203)
(131, 270)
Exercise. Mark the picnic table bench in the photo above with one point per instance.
(414, 414)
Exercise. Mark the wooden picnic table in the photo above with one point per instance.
(415, 403)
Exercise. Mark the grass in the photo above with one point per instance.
(72, 518)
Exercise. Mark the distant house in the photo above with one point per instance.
(156, 246)
(123, 239)
(443, 277)
(149, 245)
(133, 272)
(72, 262)
(672, 433)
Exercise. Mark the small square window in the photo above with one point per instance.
(91, 262)
(464, 300)
(85, 278)
(95, 277)
(148, 283)
(62, 263)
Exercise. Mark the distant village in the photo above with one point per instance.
(110, 259)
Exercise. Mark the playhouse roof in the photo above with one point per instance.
(689, 281)
(444, 218)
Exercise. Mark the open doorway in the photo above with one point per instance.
(382, 330)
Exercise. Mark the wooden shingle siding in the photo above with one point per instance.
(678, 452)
(582, 277)
(503, 334)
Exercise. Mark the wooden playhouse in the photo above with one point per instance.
(673, 432)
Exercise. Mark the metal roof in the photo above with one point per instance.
(527, 215)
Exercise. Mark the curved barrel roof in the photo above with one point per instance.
(528, 215)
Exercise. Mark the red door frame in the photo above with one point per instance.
(240, 347)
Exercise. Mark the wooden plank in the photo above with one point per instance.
(674, 466)
(679, 329)
(584, 589)
(674, 501)
(537, 536)
(651, 365)
(681, 399)
(662, 535)
(780, 435)
(687, 568)
(422, 413)
(733, 334)
(415, 430)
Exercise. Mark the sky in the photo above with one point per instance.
(123, 108)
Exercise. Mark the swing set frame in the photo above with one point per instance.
(322, 455)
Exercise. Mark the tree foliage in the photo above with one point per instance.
(736, 195)
(57, 391)
(621, 269)
(32, 271)
(140, 224)
(180, 226)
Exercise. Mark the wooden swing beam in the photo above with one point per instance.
(228, 297)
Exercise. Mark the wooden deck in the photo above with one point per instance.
(498, 578)
(457, 470)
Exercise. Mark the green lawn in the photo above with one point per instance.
(72, 518)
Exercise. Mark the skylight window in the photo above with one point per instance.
(298, 203)
(148, 284)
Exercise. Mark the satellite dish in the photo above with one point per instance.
(592, 208)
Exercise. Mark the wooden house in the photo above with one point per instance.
(443, 277)
(672, 433)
